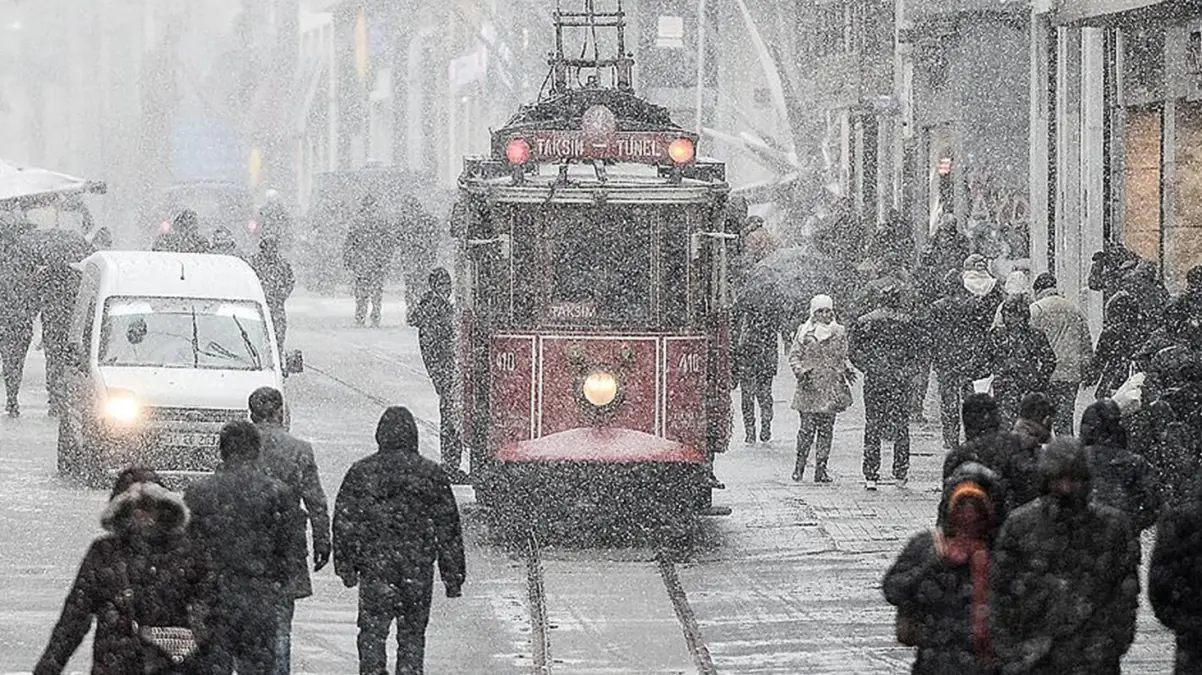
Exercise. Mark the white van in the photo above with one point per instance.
(164, 349)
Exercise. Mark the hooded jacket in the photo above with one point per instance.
(934, 589)
(1067, 330)
(1021, 358)
(1120, 478)
(395, 514)
(1175, 576)
(1065, 578)
(168, 575)
(1123, 333)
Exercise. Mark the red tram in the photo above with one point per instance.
(592, 298)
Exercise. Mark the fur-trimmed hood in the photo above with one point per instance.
(172, 513)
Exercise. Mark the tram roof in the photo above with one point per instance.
(621, 183)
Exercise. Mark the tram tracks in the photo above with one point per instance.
(428, 425)
(541, 626)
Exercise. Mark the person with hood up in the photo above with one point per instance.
(1032, 430)
(1175, 580)
(183, 236)
(1067, 329)
(980, 306)
(248, 522)
(1123, 333)
(1065, 582)
(278, 281)
(984, 441)
(756, 357)
(367, 253)
(1120, 478)
(818, 358)
(1021, 359)
(886, 346)
(223, 243)
(144, 574)
(395, 516)
(1141, 278)
(950, 334)
(940, 582)
(435, 322)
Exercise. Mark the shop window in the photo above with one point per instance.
(1141, 189)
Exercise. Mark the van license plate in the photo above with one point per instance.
(186, 439)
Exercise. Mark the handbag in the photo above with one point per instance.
(905, 628)
(163, 647)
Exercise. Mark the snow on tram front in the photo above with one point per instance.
(591, 267)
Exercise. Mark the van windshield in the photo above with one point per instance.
(184, 333)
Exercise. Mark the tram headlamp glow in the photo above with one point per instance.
(517, 151)
(122, 407)
(600, 389)
(681, 150)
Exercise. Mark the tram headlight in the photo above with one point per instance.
(682, 151)
(517, 151)
(600, 389)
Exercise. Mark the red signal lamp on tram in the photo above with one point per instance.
(682, 151)
(517, 150)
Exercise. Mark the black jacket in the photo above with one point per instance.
(434, 319)
(395, 515)
(369, 247)
(950, 335)
(886, 345)
(979, 313)
(1123, 481)
(276, 277)
(290, 461)
(1021, 359)
(57, 287)
(247, 520)
(181, 242)
(168, 574)
(1175, 577)
(1066, 588)
(1123, 334)
(756, 330)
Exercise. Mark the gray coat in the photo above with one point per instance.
(821, 371)
(290, 461)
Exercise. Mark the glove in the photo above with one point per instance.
(350, 579)
(455, 591)
(321, 555)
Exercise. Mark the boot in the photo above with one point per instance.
(820, 475)
(799, 473)
(749, 438)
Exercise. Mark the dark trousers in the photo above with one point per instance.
(1064, 397)
(380, 603)
(922, 382)
(1189, 656)
(279, 321)
(369, 290)
(56, 366)
(821, 426)
(448, 438)
(248, 616)
(757, 388)
(886, 417)
(953, 389)
(285, 609)
(14, 347)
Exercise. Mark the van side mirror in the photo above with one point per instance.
(294, 362)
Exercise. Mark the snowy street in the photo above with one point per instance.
(789, 583)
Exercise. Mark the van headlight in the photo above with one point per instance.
(122, 407)
(600, 388)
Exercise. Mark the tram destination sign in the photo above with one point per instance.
(651, 147)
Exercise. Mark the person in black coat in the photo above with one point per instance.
(757, 355)
(1020, 357)
(278, 281)
(940, 582)
(184, 236)
(1121, 479)
(394, 517)
(367, 253)
(1175, 580)
(885, 346)
(18, 306)
(984, 440)
(57, 286)
(435, 322)
(1032, 430)
(144, 570)
(945, 252)
(950, 332)
(1123, 333)
(1065, 581)
(247, 521)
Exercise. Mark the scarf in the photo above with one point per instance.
(964, 549)
(978, 283)
(821, 331)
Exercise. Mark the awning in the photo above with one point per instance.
(1107, 12)
(28, 185)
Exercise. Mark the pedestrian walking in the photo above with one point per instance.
(247, 521)
(940, 582)
(142, 580)
(367, 253)
(981, 303)
(1175, 581)
(184, 235)
(1067, 329)
(985, 442)
(1124, 331)
(275, 221)
(885, 346)
(276, 277)
(1031, 431)
(435, 322)
(1141, 278)
(1120, 478)
(394, 517)
(290, 461)
(819, 360)
(945, 252)
(18, 306)
(1065, 583)
(951, 335)
(1021, 358)
(57, 286)
(756, 360)
(223, 243)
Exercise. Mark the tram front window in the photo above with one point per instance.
(600, 267)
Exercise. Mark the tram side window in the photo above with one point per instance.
(674, 284)
(601, 267)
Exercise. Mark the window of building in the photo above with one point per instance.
(670, 32)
